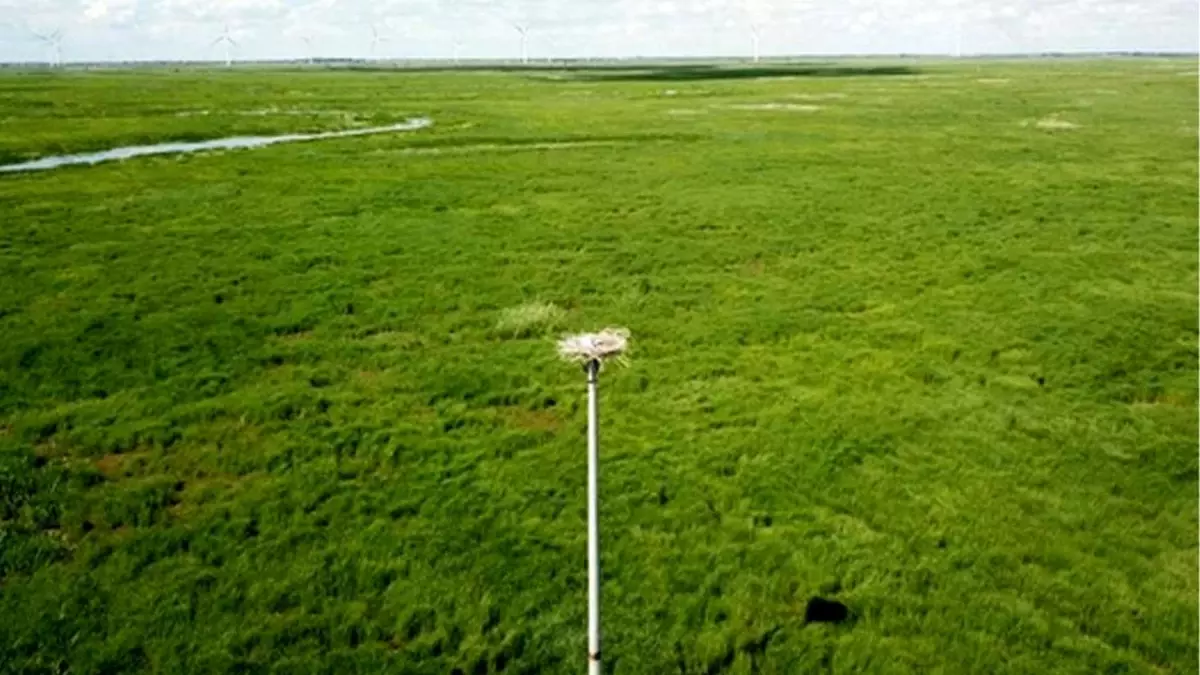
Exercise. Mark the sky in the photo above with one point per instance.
(116, 30)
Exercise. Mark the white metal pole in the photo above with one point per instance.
(593, 370)
(590, 349)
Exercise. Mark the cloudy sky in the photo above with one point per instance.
(96, 30)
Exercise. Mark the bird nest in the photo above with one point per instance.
(610, 343)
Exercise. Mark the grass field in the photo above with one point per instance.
(918, 338)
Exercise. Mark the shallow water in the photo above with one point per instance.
(232, 143)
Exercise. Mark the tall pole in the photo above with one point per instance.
(590, 349)
(593, 371)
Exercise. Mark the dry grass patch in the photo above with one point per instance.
(529, 319)
(1051, 123)
(774, 106)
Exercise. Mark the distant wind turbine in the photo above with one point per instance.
(524, 31)
(753, 16)
(376, 39)
(54, 42)
(229, 45)
(452, 11)
(960, 20)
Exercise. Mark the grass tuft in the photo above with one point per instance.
(531, 318)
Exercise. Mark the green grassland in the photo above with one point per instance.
(918, 338)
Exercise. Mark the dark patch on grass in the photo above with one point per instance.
(679, 72)
(695, 73)
(820, 610)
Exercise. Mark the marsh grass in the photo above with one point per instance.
(260, 411)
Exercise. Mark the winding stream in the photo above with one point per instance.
(235, 142)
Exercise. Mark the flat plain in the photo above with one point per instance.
(917, 337)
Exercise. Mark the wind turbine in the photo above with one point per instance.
(452, 10)
(522, 26)
(754, 16)
(229, 45)
(524, 31)
(54, 42)
(376, 39)
(958, 35)
(308, 48)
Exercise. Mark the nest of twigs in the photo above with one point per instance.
(608, 344)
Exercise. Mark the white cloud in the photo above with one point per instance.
(93, 29)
